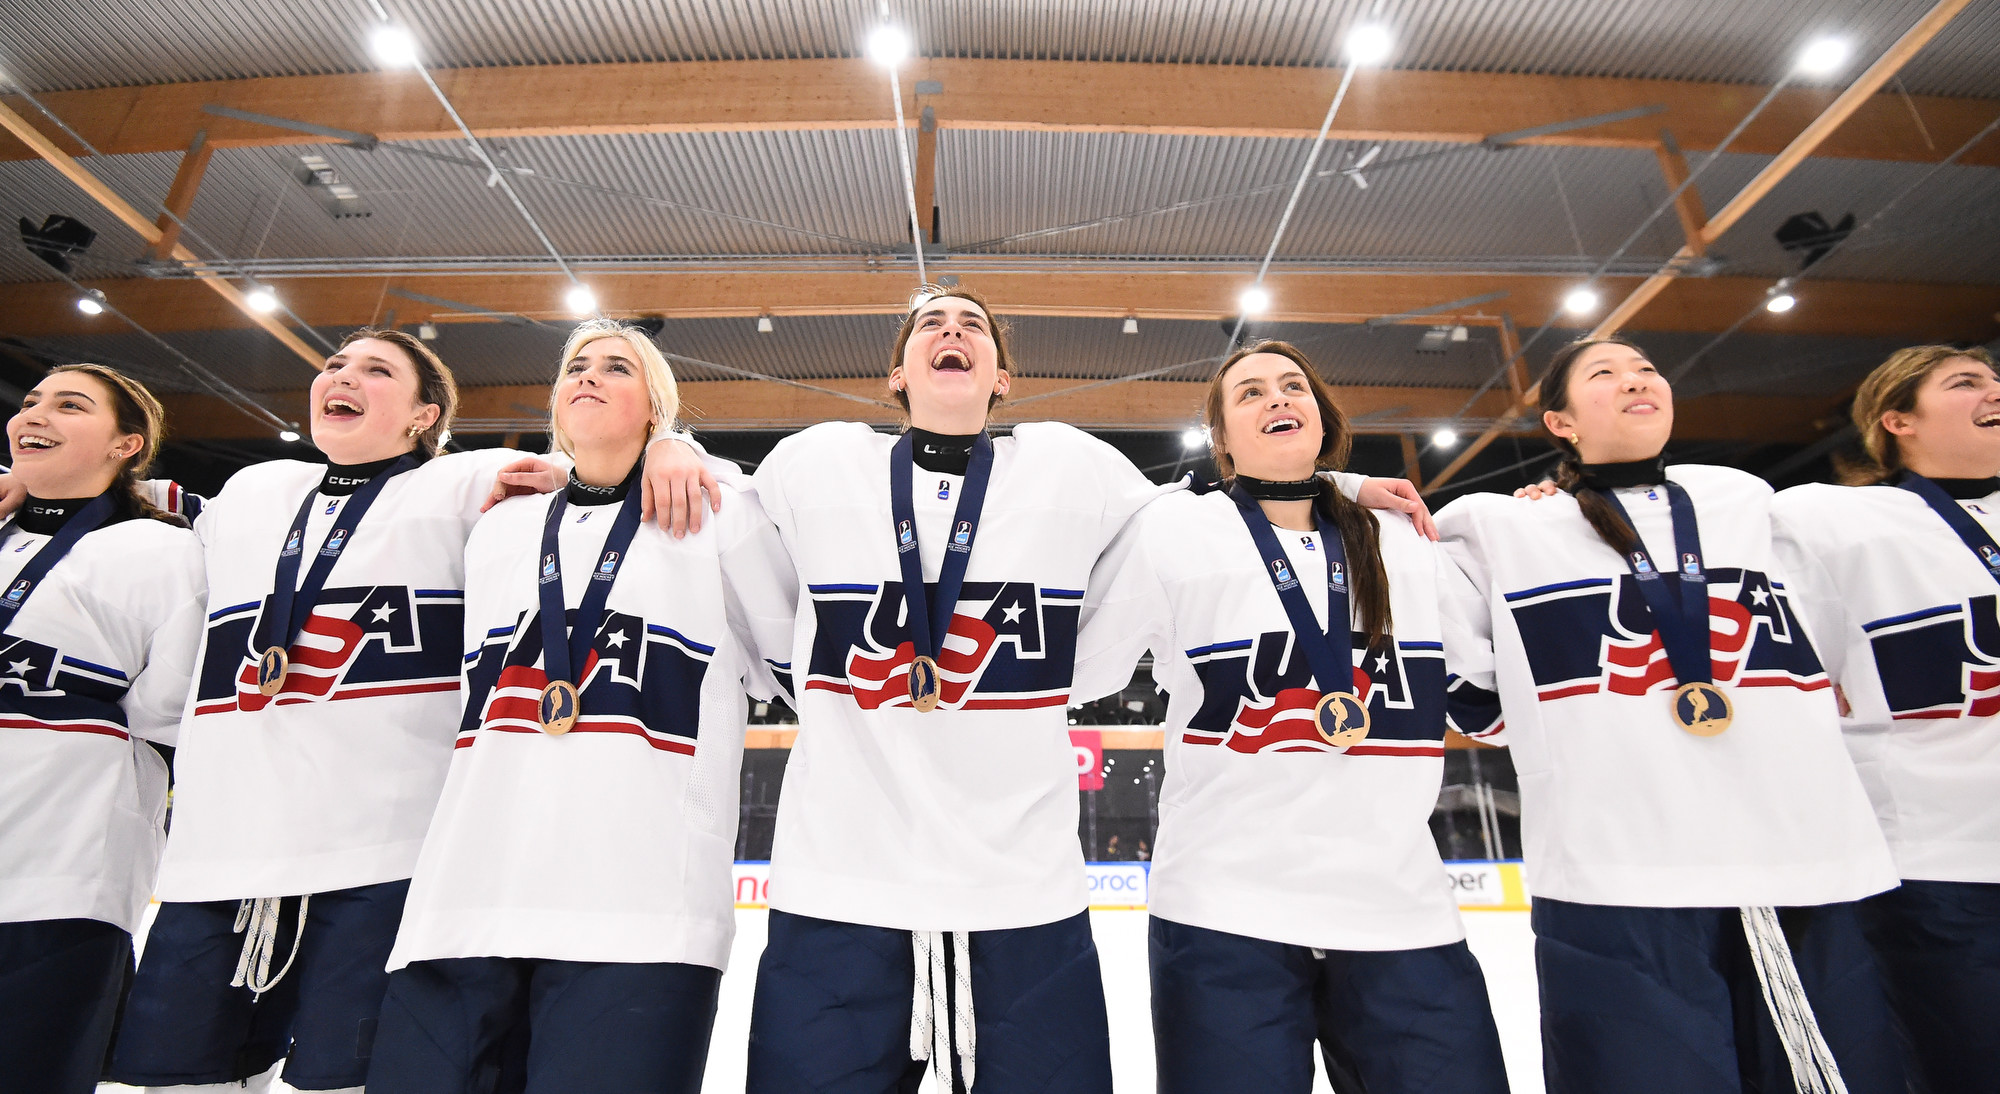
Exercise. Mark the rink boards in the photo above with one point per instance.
(1121, 886)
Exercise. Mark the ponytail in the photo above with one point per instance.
(136, 411)
(1610, 527)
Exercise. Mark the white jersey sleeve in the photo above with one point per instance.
(761, 588)
(1125, 613)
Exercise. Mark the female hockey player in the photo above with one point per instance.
(99, 623)
(1898, 582)
(1297, 894)
(317, 735)
(927, 885)
(573, 897)
(1694, 833)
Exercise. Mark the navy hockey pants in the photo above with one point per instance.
(184, 1024)
(504, 1025)
(1232, 1013)
(1938, 944)
(832, 1010)
(60, 983)
(1642, 1000)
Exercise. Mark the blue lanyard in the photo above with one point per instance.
(87, 520)
(291, 603)
(1969, 530)
(1683, 624)
(566, 646)
(1330, 652)
(930, 620)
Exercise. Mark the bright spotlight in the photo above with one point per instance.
(581, 301)
(261, 300)
(1823, 56)
(888, 45)
(1369, 44)
(289, 436)
(1255, 300)
(1193, 437)
(393, 47)
(1445, 438)
(1780, 303)
(1580, 301)
(91, 303)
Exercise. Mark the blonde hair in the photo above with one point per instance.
(661, 389)
(1893, 386)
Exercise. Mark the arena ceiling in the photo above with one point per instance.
(714, 164)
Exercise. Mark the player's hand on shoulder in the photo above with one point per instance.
(527, 475)
(1538, 491)
(674, 482)
(1400, 495)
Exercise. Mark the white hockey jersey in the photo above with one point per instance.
(97, 663)
(613, 842)
(1619, 805)
(963, 818)
(1909, 623)
(1265, 830)
(330, 783)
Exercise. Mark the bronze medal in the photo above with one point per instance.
(1702, 709)
(558, 707)
(271, 669)
(1342, 719)
(924, 684)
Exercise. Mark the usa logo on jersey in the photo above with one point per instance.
(640, 679)
(1941, 662)
(360, 642)
(1011, 645)
(1258, 696)
(41, 688)
(1597, 635)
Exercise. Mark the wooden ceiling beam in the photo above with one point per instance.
(1088, 96)
(1850, 308)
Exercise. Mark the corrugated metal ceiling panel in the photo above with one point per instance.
(95, 43)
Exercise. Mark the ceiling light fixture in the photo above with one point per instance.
(1445, 438)
(261, 300)
(888, 45)
(1255, 300)
(1193, 437)
(581, 301)
(289, 436)
(427, 332)
(1580, 301)
(763, 324)
(393, 46)
(1369, 44)
(1823, 56)
(1780, 303)
(1131, 324)
(91, 302)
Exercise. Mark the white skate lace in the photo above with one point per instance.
(935, 1020)
(257, 918)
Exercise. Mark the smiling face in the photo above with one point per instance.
(1270, 421)
(1618, 406)
(601, 399)
(1954, 429)
(365, 403)
(65, 441)
(950, 370)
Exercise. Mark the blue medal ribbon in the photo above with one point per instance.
(1682, 622)
(87, 520)
(292, 603)
(930, 619)
(566, 645)
(1330, 652)
(1967, 528)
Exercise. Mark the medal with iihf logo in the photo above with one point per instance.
(930, 617)
(1680, 616)
(292, 601)
(1340, 716)
(87, 520)
(567, 644)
